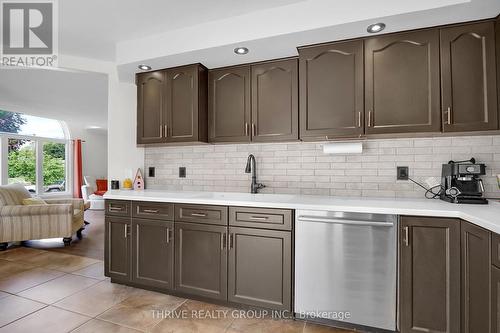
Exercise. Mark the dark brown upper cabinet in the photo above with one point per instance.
(331, 90)
(468, 78)
(476, 275)
(229, 104)
(402, 83)
(430, 275)
(275, 101)
(150, 107)
(186, 104)
(497, 34)
(172, 105)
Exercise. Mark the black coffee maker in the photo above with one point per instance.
(460, 182)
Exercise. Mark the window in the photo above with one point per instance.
(22, 163)
(54, 167)
(34, 153)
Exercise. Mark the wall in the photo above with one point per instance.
(123, 155)
(94, 150)
(303, 168)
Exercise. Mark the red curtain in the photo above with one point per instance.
(77, 168)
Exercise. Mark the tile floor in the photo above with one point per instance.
(54, 291)
(91, 246)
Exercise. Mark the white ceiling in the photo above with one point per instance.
(78, 98)
(167, 33)
(91, 28)
(133, 31)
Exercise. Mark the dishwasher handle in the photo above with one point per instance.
(306, 218)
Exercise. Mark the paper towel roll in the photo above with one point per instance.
(343, 148)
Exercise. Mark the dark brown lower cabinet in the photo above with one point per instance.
(117, 249)
(260, 268)
(201, 260)
(495, 300)
(153, 253)
(430, 275)
(476, 273)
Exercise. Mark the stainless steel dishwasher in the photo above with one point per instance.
(346, 267)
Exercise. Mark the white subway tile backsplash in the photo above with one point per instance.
(302, 168)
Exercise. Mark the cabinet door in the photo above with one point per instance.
(430, 275)
(495, 300)
(331, 90)
(476, 273)
(201, 260)
(117, 248)
(497, 35)
(182, 104)
(229, 104)
(468, 76)
(150, 107)
(260, 269)
(495, 249)
(402, 83)
(153, 253)
(275, 101)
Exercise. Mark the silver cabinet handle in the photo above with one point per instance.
(126, 230)
(223, 241)
(161, 131)
(406, 240)
(199, 214)
(246, 129)
(359, 119)
(259, 218)
(254, 129)
(347, 222)
(114, 209)
(147, 210)
(448, 116)
(370, 118)
(231, 240)
(168, 235)
(166, 130)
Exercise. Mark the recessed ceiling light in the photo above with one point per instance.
(376, 27)
(241, 50)
(143, 67)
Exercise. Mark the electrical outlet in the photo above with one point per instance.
(402, 173)
(182, 172)
(151, 172)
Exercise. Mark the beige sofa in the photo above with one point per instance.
(18, 222)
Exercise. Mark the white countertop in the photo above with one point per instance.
(486, 216)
